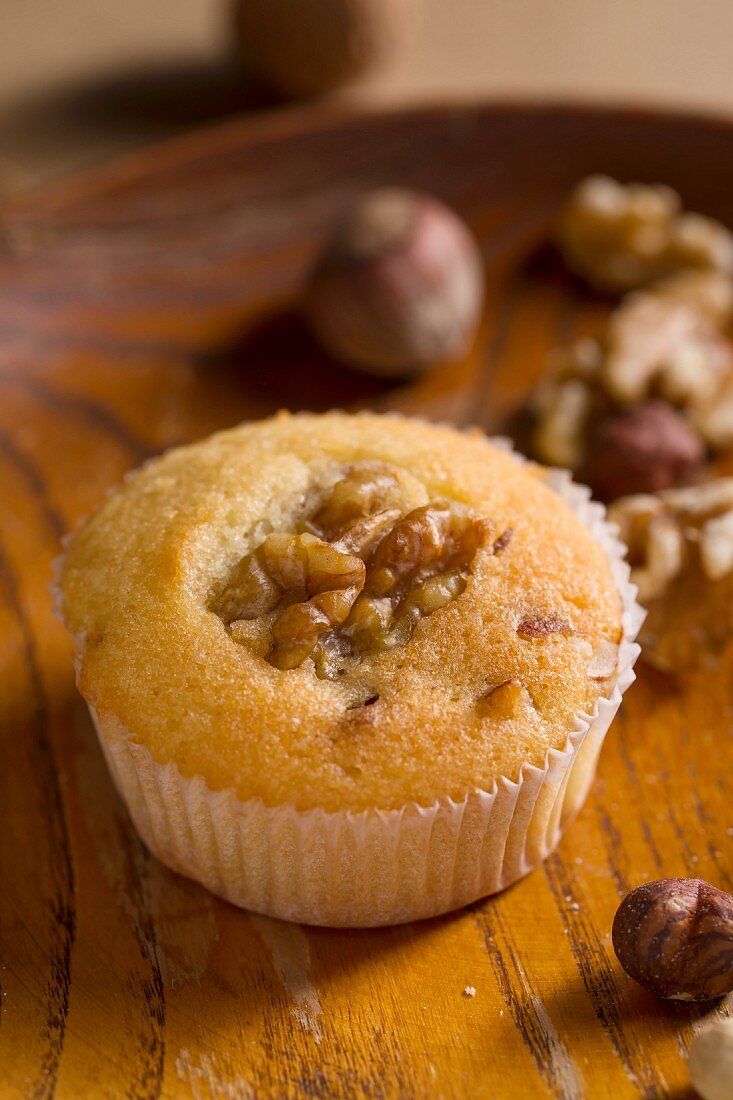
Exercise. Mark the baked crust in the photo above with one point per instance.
(136, 591)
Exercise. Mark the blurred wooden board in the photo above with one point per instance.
(151, 304)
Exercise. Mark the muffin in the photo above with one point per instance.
(349, 670)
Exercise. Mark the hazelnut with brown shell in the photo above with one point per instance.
(643, 450)
(674, 936)
(399, 286)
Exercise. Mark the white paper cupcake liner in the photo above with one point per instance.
(377, 866)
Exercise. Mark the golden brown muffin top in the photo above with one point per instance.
(444, 637)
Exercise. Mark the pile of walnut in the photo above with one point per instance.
(640, 408)
(681, 554)
(357, 575)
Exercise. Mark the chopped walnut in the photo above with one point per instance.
(502, 702)
(538, 628)
(681, 552)
(664, 344)
(622, 237)
(713, 498)
(665, 547)
(358, 576)
(362, 536)
(503, 541)
(714, 420)
(603, 662)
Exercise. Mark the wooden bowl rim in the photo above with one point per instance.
(66, 191)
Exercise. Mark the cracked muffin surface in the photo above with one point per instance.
(342, 611)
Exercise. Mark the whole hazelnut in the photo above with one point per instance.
(675, 937)
(306, 49)
(399, 286)
(711, 1060)
(643, 450)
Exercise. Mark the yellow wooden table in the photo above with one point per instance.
(152, 304)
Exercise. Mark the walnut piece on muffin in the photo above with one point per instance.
(662, 347)
(361, 576)
(681, 553)
(625, 236)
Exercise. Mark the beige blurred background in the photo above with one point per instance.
(83, 79)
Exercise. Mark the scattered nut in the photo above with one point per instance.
(665, 553)
(698, 503)
(308, 49)
(711, 1060)
(709, 293)
(675, 937)
(568, 402)
(357, 577)
(399, 287)
(716, 546)
(621, 237)
(644, 450)
(714, 419)
(664, 345)
(681, 552)
(659, 343)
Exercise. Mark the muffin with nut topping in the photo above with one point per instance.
(349, 670)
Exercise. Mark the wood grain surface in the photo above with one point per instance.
(149, 305)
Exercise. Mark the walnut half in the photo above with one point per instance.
(358, 575)
(297, 566)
